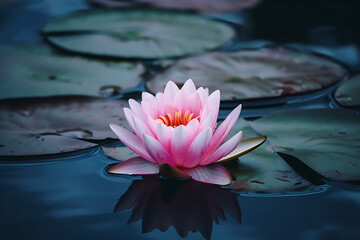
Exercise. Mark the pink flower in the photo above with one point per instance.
(177, 128)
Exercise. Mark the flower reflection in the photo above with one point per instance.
(187, 205)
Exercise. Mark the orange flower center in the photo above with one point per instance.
(177, 119)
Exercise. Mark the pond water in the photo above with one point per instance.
(71, 196)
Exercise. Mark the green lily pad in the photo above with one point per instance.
(37, 71)
(137, 33)
(347, 95)
(263, 169)
(56, 125)
(203, 6)
(252, 74)
(326, 140)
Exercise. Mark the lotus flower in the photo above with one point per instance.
(175, 131)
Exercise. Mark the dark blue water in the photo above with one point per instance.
(74, 198)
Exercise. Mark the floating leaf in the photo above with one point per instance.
(119, 153)
(263, 169)
(55, 125)
(253, 73)
(347, 95)
(37, 70)
(203, 6)
(135, 33)
(327, 140)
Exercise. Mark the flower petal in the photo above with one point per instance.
(192, 130)
(189, 87)
(136, 165)
(197, 148)
(157, 151)
(207, 122)
(245, 146)
(131, 141)
(223, 130)
(224, 149)
(163, 134)
(214, 174)
(179, 144)
(137, 109)
(213, 106)
(141, 127)
(170, 90)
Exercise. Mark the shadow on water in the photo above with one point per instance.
(187, 205)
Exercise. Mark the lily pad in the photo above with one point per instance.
(137, 33)
(203, 6)
(326, 140)
(56, 125)
(37, 71)
(252, 74)
(263, 169)
(347, 95)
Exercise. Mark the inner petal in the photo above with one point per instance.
(178, 118)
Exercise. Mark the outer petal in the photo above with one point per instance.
(189, 87)
(224, 149)
(170, 90)
(157, 151)
(222, 131)
(207, 122)
(214, 174)
(197, 148)
(141, 127)
(136, 165)
(213, 104)
(179, 144)
(192, 130)
(163, 134)
(203, 94)
(137, 109)
(131, 140)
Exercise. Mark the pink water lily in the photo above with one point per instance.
(177, 129)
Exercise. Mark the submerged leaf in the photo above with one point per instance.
(203, 6)
(38, 71)
(251, 74)
(55, 125)
(137, 33)
(327, 140)
(347, 95)
(263, 169)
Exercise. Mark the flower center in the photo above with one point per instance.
(177, 119)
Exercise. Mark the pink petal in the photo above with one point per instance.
(129, 118)
(163, 134)
(203, 95)
(170, 90)
(213, 106)
(179, 144)
(192, 130)
(193, 103)
(137, 109)
(224, 149)
(223, 130)
(141, 127)
(207, 122)
(179, 100)
(214, 174)
(189, 87)
(197, 148)
(157, 151)
(150, 109)
(131, 141)
(136, 165)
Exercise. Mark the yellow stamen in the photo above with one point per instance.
(177, 119)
